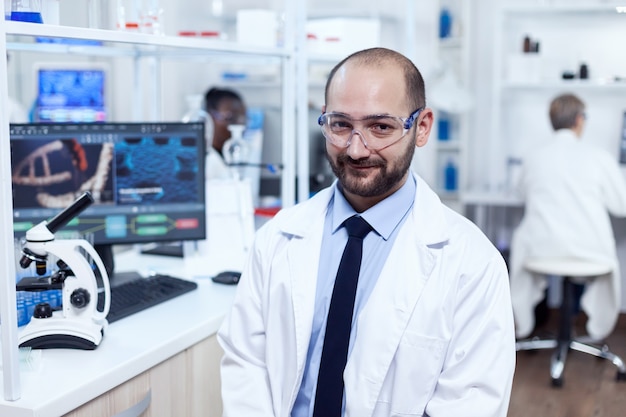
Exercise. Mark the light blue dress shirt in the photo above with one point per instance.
(385, 218)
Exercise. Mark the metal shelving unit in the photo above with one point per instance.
(21, 37)
(454, 56)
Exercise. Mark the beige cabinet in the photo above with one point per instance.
(187, 384)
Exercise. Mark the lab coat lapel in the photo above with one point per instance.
(385, 317)
(306, 229)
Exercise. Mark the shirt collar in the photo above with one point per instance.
(565, 134)
(384, 217)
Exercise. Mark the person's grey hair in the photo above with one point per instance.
(564, 110)
(416, 95)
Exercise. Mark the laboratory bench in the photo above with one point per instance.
(484, 201)
(165, 358)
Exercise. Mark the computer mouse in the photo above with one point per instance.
(227, 277)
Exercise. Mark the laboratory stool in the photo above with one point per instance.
(568, 269)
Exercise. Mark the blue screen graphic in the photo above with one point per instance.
(71, 96)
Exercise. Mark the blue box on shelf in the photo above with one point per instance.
(64, 41)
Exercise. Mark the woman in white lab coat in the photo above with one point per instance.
(225, 107)
(434, 337)
(570, 189)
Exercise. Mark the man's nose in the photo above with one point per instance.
(357, 148)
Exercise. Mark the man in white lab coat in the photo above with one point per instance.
(570, 187)
(432, 330)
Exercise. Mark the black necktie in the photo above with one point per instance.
(329, 395)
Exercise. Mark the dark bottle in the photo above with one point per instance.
(583, 73)
(527, 44)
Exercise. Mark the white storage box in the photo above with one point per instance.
(342, 36)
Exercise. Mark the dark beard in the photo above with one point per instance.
(384, 180)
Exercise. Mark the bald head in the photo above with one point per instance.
(381, 58)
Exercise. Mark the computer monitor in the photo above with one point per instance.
(147, 180)
(71, 92)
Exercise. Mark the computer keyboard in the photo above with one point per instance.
(139, 294)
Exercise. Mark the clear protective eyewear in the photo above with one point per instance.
(230, 118)
(377, 131)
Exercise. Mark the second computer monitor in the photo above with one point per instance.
(147, 179)
(74, 92)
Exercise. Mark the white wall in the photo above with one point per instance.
(514, 121)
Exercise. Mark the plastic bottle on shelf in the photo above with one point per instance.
(26, 11)
(128, 15)
(195, 113)
(152, 18)
(450, 176)
(445, 23)
(443, 126)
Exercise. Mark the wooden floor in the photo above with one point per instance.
(589, 386)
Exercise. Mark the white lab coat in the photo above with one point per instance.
(216, 168)
(569, 187)
(435, 338)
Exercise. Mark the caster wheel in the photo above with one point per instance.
(621, 376)
(557, 382)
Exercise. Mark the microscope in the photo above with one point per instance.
(78, 324)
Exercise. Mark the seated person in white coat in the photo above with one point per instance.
(570, 187)
(225, 107)
(431, 331)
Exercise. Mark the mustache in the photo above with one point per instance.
(366, 162)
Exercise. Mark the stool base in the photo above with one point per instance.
(557, 362)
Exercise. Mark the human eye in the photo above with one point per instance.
(383, 126)
(340, 124)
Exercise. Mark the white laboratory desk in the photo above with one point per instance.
(485, 205)
(485, 200)
(169, 349)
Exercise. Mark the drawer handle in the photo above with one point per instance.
(137, 409)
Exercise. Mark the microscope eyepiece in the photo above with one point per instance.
(64, 217)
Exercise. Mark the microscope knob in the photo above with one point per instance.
(42, 311)
(79, 298)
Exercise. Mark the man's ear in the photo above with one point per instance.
(423, 126)
(323, 108)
